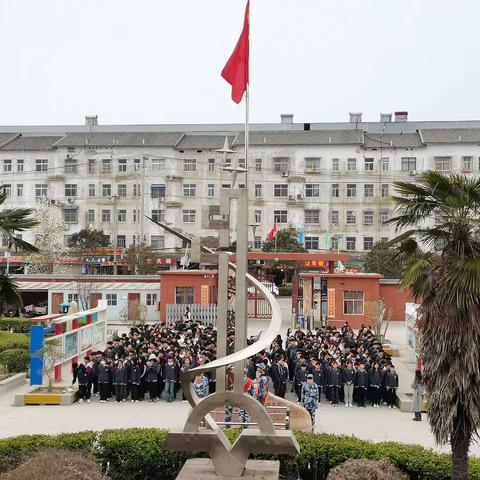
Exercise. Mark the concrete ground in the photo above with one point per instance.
(378, 425)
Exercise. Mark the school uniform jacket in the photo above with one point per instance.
(348, 376)
(391, 380)
(335, 377)
(135, 374)
(375, 378)
(104, 373)
(361, 379)
(120, 376)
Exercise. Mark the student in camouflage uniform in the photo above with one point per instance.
(229, 386)
(200, 386)
(310, 397)
(249, 389)
(261, 386)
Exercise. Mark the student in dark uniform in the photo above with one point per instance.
(375, 383)
(348, 381)
(279, 373)
(391, 385)
(120, 382)
(84, 377)
(135, 373)
(104, 372)
(335, 382)
(300, 378)
(152, 377)
(319, 380)
(361, 385)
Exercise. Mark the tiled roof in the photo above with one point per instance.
(32, 143)
(450, 135)
(313, 137)
(391, 140)
(203, 142)
(121, 139)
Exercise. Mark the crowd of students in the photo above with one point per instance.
(146, 364)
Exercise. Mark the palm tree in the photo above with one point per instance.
(16, 220)
(443, 273)
(9, 293)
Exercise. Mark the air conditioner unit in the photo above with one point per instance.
(285, 173)
(299, 196)
(309, 170)
(168, 177)
(412, 173)
(260, 262)
(70, 200)
(291, 197)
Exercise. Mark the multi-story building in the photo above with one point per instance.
(331, 180)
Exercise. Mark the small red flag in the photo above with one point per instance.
(273, 232)
(235, 72)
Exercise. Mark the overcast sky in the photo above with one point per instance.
(159, 61)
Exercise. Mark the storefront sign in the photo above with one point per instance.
(330, 302)
(205, 295)
(13, 259)
(314, 263)
(95, 260)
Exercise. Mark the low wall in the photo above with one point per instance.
(12, 382)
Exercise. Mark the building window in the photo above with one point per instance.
(258, 217)
(211, 164)
(122, 216)
(70, 189)
(91, 216)
(258, 190)
(351, 217)
(280, 216)
(384, 239)
(368, 217)
(158, 216)
(385, 189)
(352, 303)
(280, 190)
(351, 243)
(7, 165)
(136, 215)
(312, 165)
(106, 165)
(122, 165)
(280, 165)
(312, 216)
(106, 190)
(122, 190)
(189, 216)
(71, 165)
(467, 164)
(157, 241)
(72, 297)
(312, 190)
(368, 190)
(91, 190)
(334, 244)
(136, 164)
(151, 299)
(136, 240)
(70, 215)
(156, 191)
(121, 241)
(443, 164)
(385, 164)
(351, 190)
(91, 165)
(257, 242)
(7, 189)
(335, 190)
(351, 164)
(111, 299)
(41, 190)
(367, 243)
(409, 163)
(369, 164)
(258, 164)
(189, 165)
(312, 243)
(334, 217)
(19, 190)
(226, 185)
(158, 164)
(20, 164)
(184, 295)
(41, 165)
(106, 216)
(335, 164)
(211, 190)
(384, 215)
(189, 190)
(241, 162)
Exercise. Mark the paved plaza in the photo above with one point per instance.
(378, 425)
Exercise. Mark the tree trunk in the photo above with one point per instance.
(460, 445)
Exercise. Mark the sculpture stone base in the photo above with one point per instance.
(202, 469)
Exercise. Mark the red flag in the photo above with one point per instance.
(235, 72)
(273, 232)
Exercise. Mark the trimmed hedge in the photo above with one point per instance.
(15, 359)
(9, 341)
(18, 325)
(285, 290)
(137, 454)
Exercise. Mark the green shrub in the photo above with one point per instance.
(137, 454)
(285, 290)
(16, 359)
(8, 341)
(17, 325)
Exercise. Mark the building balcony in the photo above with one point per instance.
(56, 177)
(174, 178)
(295, 178)
(296, 200)
(173, 203)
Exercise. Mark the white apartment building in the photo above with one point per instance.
(331, 180)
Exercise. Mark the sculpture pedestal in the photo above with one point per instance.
(202, 469)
